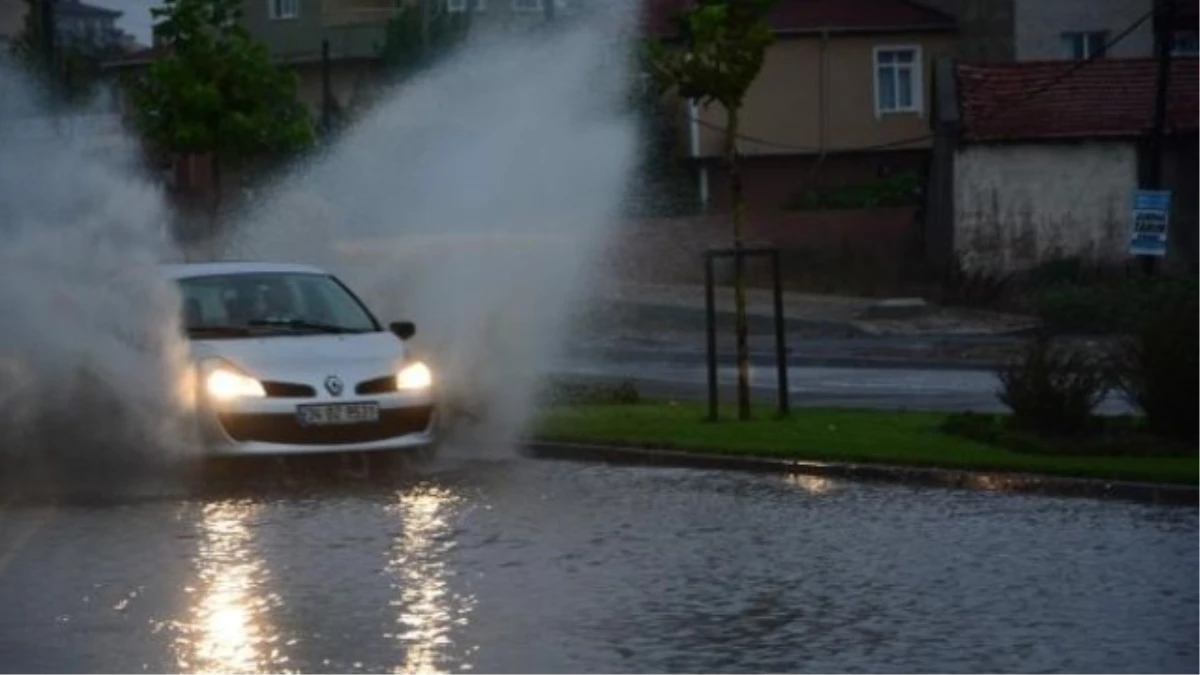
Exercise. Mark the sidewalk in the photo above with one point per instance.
(666, 323)
(839, 315)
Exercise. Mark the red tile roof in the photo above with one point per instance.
(1044, 100)
(800, 16)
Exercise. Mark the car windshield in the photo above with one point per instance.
(271, 303)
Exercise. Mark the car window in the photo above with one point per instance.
(272, 303)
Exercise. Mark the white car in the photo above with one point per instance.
(286, 359)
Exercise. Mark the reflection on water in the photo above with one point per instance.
(817, 485)
(229, 629)
(428, 610)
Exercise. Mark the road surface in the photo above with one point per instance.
(882, 388)
(502, 564)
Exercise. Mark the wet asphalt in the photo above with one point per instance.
(493, 563)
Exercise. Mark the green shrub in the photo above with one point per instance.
(1158, 370)
(1067, 308)
(565, 392)
(1106, 307)
(1051, 390)
(901, 189)
(974, 288)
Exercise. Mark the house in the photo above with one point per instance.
(841, 99)
(354, 32)
(12, 21)
(80, 24)
(1039, 160)
(1036, 30)
(296, 32)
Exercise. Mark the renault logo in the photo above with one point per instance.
(333, 384)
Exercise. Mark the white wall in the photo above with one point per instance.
(1039, 26)
(1020, 204)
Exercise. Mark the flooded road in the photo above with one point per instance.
(510, 565)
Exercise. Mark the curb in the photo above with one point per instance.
(999, 481)
(764, 359)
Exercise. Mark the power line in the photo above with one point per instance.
(995, 111)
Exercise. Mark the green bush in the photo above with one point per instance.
(902, 189)
(1067, 308)
(1158, 370)
(974, 288)
(565, 392)
(1051, 390)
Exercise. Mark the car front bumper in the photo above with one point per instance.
(272, 427)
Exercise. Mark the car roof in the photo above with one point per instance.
(208, 269)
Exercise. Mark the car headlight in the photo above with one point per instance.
(415, 375)
(226, 384)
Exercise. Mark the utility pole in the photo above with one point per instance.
(1163, 13)
(46, 19)
(326, 90)
(426, 20)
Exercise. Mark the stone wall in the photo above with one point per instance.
(1017, 205)
(861, 249)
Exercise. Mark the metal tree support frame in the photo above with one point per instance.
(710, 316)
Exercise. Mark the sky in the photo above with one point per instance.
(136, 20)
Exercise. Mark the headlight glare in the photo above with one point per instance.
(224, 384)
(415, 375)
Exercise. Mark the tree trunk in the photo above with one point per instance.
(739, 266)
(214, 217)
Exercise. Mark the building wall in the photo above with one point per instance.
(12, 20)
(861, 250)
(1181, 175)
(817, 94)
(985, 27)
(772, 182)
(1021, 204)
(357, 28)
(299, 37)
(1040, 23)
(347, 83)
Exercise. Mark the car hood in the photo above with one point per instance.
(302, 357)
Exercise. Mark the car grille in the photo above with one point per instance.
(288, 390)
(379, 385)
(286, 428)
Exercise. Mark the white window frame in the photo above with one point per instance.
(1085, 36)
(272, 5)
(918, 81)
(528, 6)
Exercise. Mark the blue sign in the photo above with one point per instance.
(1151, 213)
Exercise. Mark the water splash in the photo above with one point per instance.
(90, 353)
(475, 200)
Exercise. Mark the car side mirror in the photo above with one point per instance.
(403, 329)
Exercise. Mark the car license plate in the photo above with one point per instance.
(338, 413)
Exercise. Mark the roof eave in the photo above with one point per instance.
(669, 36)
(907, 28)
(1070, 136)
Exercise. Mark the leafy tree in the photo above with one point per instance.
(216, 92)
(719, 53)
(404, 49)
(667, 182)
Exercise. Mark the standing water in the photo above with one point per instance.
(90, 354)
(475, 199)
